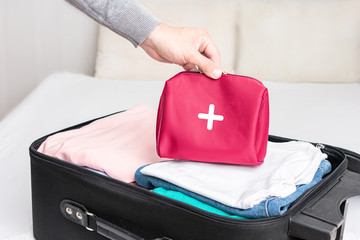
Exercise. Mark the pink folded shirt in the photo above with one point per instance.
(117, 145)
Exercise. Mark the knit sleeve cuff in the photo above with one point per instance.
(136, 25)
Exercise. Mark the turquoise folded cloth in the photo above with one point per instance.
(194, 202)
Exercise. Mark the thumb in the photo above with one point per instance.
(206, 65)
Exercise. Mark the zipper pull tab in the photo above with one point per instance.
(200, 71)
(320, 146)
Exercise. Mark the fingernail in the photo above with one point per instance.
(216, 73)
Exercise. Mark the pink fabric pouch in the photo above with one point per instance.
(220, 121)
(117, 145)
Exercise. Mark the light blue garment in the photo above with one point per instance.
(192, 201)
(267, 208)
(97, 171)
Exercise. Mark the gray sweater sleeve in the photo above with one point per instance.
(128, 18)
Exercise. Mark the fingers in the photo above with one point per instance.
(189, 67)
(206, 65)
(207, 57)
(209, 49)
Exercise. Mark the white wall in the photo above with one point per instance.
(38, 37)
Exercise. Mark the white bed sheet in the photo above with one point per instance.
(325, 113)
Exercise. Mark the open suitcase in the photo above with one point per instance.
(71, 202)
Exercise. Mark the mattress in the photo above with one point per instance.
(323, 113)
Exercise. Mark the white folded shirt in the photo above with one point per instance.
(286, 165)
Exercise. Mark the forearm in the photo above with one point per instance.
(127, 18)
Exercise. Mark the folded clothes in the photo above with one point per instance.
(270, 207)
(286, 165)
(193, 201)
(117, 145)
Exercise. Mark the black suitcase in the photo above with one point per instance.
(71, 202)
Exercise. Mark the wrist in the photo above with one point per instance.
(154, 35)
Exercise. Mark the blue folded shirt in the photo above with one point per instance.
(267, 208)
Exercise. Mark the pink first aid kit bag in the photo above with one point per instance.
(218, 121)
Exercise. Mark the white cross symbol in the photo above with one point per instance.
(210, 116)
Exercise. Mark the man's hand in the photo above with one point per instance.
(187, 47)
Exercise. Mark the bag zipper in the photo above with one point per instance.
(224, 72)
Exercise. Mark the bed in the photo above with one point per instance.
(311, 99)
(323, 113)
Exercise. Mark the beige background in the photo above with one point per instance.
(38, 37)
